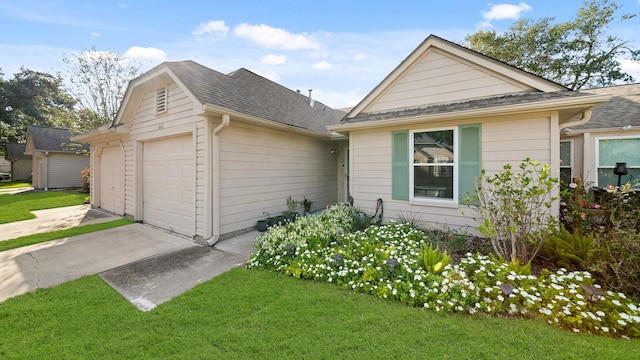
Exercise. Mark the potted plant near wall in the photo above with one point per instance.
(292, 211)
(307, 205)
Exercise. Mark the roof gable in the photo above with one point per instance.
(240, 92)
(441, 72)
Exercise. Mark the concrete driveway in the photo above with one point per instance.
(148, 266)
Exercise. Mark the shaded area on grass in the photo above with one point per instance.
(53, 235)
(18, 207)
(260, 314)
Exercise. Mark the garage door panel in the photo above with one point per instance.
(168, 178)
(112, 180)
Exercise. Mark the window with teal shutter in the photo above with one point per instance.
(470, 161)
(400, 165)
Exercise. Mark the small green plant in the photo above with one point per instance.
(513, 209)
(432, 259)
(307, 205)
(292, 204)
(568, 250)
(413, 218)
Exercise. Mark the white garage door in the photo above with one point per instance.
(168, 184)
(112, 180)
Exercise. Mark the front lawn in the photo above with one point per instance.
(254, 314)
(17, 207)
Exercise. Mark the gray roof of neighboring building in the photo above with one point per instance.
(622, 109)
(245, 92)
(15, 151)
(54, 139)
(475, 104)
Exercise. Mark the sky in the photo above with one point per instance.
(338, 48)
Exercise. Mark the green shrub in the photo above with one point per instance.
(569, 250)
(513, 209)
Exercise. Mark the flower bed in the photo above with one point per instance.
(386, 261)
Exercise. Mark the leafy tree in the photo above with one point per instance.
(578, 53)
(99, 80)
(33, 98)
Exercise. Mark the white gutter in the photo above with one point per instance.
(586, 116)
(215, 191)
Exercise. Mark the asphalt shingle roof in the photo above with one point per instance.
(622, 109)
(475, 104)
(16, 151)
(54, 139)
(245, 92)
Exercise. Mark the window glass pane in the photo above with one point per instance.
(565, 176)
(433, 147)
(607, 177)
(612, 151)
(433, 181)
(565, 153)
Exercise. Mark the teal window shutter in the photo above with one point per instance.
(470, 159)
(400, 165)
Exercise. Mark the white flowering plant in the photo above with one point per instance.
(385, 261)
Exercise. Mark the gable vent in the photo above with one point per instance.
(161, 100)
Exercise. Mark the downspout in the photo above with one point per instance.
(44, 171)
(215, 208)
(586, 116)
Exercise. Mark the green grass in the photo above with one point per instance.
(249, 314)
(18, 207)
(59, 234)
(14, 184)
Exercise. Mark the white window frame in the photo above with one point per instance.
(570, 167)
(597, 154)
(455, 165)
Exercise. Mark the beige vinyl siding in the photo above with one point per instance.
(21, 169)
(504, 140)
(442, 78)
(180, 118)
(260, 168)
(64, 170)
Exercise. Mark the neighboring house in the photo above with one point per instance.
(57, 162)
(20, 162)
(591, 151)
(207, 154)
(481, 113)
(5, 164)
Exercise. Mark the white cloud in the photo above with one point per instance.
(149, 53)
(216, 28)
(272, 59)
(505, 11)
(274, 38)
(122, 5)
(95, 34)
(322, 65)
(631, 67)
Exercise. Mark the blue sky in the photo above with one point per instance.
(340, 49)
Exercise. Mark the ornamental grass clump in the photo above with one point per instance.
(388, 262)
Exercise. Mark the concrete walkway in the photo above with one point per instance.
(148, 266)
